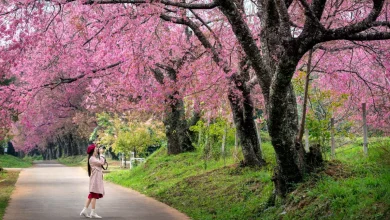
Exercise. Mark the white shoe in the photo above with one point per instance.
(94, 215)
(84, 213)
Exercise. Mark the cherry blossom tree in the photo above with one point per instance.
(274, 41)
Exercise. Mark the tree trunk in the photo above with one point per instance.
(59, 151)
(176, 126)
(176, 129)
(292, 160)
(242, 108)
(283, 128)
(196, 116)
(65, 145)
(274, 68)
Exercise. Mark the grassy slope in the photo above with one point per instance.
(352, 187)
(7, 184)
(9, 161)
(211, 191)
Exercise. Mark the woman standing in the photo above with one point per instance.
(96, 160)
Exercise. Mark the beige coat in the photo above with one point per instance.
(96, 178)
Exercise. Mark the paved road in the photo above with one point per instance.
(50, 190)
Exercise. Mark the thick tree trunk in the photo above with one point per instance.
(293, 162)
(274, 68)
(242, 108)
(283, 128)
(176, 126)
(176, 129)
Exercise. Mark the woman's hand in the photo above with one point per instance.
(101, 150)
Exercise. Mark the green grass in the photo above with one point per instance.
(218, 192)
(351, 187)
(7, 185)
(33, 158)
(9, 161)
(74, 161)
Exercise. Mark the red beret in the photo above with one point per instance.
(91, 148)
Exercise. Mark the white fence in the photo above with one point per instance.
(131, 161)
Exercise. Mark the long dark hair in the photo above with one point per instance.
(89, 166)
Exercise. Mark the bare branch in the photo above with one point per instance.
(320, 47)
(360, 26)
(201, 37)
(284, 18)
(208, 27)
(369, 36)
(367, 82)
(51, 21)
(97, 33)
(248, 43)
(211, 5)
(53, 85)
(312, 16)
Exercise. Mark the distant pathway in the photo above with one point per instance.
(50, 190)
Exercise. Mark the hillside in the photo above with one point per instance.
(9, 161)
(353, 186)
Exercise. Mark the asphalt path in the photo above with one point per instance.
(49, 190)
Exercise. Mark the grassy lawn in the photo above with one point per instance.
(7, 185)
(351, 187)
(9, 161)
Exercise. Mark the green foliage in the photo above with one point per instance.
(210, 137)
(322, 105)
(93, 135)
(126, 134)
(13, 162)
(33, 158)
(108, 128)
(7, 81)
(265, 136)
(139, 137)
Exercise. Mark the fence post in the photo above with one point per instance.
(236, 140)
(307, 140)
(235, 153)
(223, 145)
(332, 138)
(259, 138)
(365, 138)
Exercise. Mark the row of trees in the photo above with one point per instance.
(185, 61)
